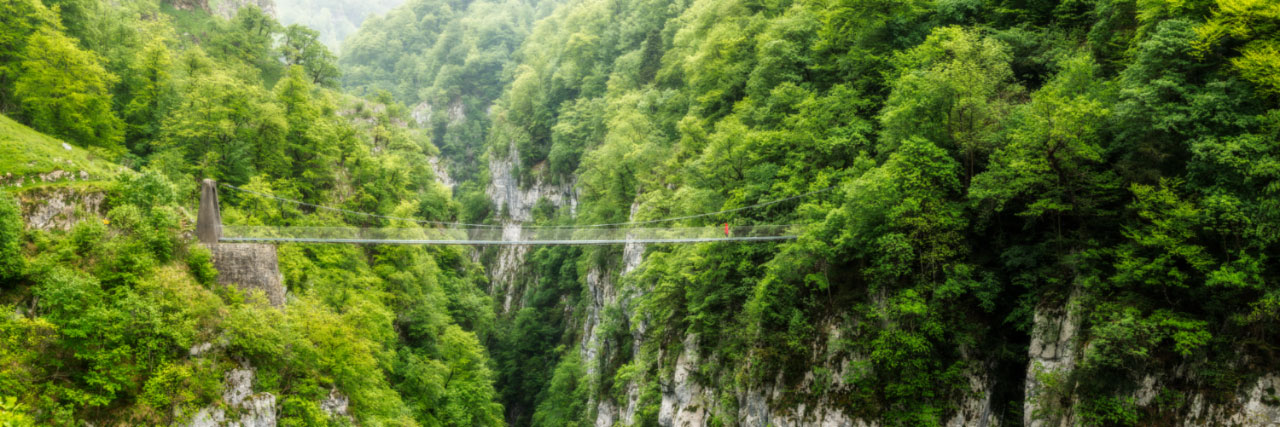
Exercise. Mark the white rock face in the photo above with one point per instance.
(605, 293)
(504, 275)
(685, 403)
(421, 113)
(457, 112)
(228, 8)
(60, 208)
(756, 408)
(1259, 405)
(255, 410)
(336, 405)
(505, 192)
(1052, 353)
(441, 175)
(201, 348)
(1055, 351)
(975, 410)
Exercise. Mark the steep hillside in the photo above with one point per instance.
(334, 19)
(111, 313)
(29, 158)
(1042, 212)
(447, 60)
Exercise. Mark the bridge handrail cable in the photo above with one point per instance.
(463, 224)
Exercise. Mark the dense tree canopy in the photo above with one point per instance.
(112, 308)
(957, 170)
(988, 159)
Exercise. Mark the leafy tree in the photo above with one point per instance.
(1249, 27)
(248, 38)
(1052, 163)
(12, 262)
(566, 394)
(227, 130)
(64, 91)
(953, 90)
(20, 19)
(302, 47)
(151, 88)
(468, 386)
(308, 140)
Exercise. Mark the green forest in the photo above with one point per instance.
(1007, 212)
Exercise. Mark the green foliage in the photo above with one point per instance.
(26, 154)
(65, 92)
(953, 90)
(12, 413)
(976, 163)
(566, 399)
(990, 158)
(22, 19)
(151, 86)
(226, 130)
(447, 57)
(12, 263)
(113, 307)
(302, 47)
(526, 353)
(200, 262)
(1249, 27)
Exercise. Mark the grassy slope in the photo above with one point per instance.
(25, 154)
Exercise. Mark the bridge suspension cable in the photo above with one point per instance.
(460, 233)
(463, 224)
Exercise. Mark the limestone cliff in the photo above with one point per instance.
(515, 204)
(223, 8)
(1058, 346)
(58, 208)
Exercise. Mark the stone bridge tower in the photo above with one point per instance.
(249, 266)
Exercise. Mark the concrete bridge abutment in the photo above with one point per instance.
(249, 266)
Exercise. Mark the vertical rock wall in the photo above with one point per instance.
(57, 208)
(517, 203)
(1058, 344)
(240, 405)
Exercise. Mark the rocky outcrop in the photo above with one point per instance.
(604, 293)
(228, 8)
(252, 267)
(504, 273)
(508, 196)
(59, 208)
(56, 175)
(189, 4)
(688, 402)
(1057, 346)
(240, 407)
(336, 405)
(975, 408)
(517, 203)
(224, 8)
(441, 174)
(1258, 405)
(1051, 357)
(457, 112)
(421, 113)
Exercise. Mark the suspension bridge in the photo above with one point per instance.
(209, 229)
